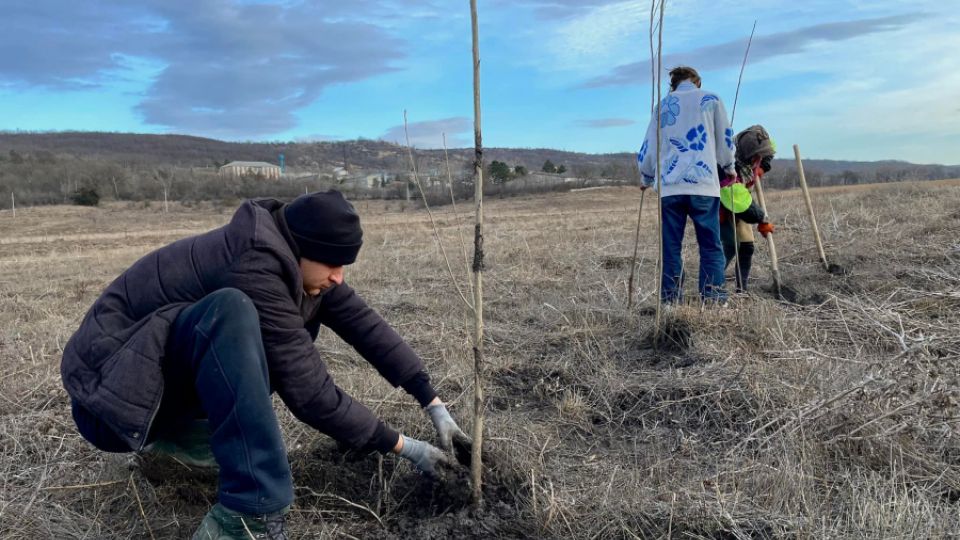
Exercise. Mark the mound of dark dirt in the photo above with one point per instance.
(837, 270)
(614, 262)
(410, 505)
(531, 386)
(675, 335)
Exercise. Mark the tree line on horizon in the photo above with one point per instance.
(46, 169)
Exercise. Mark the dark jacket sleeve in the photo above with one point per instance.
(297, 372)
(344, 312)
(753, 214)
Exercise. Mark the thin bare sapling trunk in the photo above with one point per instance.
(656, 81)
(476, 463)
(653, 109)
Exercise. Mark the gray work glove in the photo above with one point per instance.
(447, 429)
(427, 458)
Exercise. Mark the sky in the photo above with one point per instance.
(843, 79)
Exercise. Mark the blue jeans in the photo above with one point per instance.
(215, 366)
(705, 213)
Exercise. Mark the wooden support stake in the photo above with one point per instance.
(774, 265)
(813, 217)
(13, 204)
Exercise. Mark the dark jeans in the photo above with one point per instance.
(705, 213)
(216, 366)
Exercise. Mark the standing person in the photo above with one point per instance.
(210, 326)
(695, 137)
(754, 156)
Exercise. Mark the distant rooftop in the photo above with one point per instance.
(250, 164)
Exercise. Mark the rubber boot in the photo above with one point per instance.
(189, 446)
(221, 523)
(744, 263)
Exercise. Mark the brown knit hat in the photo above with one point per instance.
(752, 142)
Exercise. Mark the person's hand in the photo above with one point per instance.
(765, 228)
(645, 182)
(447, 428)
(427, 458)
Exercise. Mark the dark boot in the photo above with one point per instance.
(221, 523)
(744, 262)
(189, 445)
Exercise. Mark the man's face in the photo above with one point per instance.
(318, 277)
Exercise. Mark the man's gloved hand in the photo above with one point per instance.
(427, 458)
(728, 179)
(447, 429)
(765, 228)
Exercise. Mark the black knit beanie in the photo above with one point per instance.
(325, 227)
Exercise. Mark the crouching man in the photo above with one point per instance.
(196, 336)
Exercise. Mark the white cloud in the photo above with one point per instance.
(430, 133)
(598, 36)
(879, 97)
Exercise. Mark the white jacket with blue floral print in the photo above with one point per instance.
(695, 138)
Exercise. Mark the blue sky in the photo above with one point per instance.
(844, 79)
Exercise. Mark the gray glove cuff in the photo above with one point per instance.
(439, 413)
(413, 449)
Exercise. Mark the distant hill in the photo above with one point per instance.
(52, 159)
(144, 150)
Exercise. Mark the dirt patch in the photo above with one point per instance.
(615, 263)
(710, 412)
(675, 335)
(641, 352)
(534, 385)
(837, 270)
(404, 308)
(410, 505)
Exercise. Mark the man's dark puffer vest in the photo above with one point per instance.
(112, 364)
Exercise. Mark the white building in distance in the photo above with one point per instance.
(244, 168)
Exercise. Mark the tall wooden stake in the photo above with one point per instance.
(476, 463)
(813, 217)
(774, 265)
(13, 204)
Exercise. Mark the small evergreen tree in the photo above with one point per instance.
(500, 172)
(86, 196)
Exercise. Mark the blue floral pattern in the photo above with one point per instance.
(697, 172)
(670, 109)
(670, 167)
(688, 122)
(697, 137)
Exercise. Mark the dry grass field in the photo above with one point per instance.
(831, 416)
